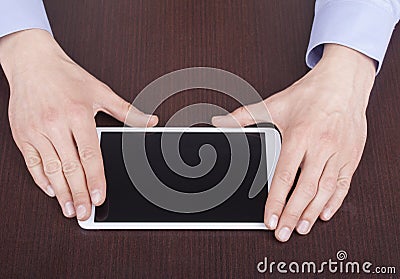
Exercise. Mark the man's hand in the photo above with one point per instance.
(52, 106)
(323, 125)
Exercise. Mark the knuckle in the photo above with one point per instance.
(32, 160)
(291, 216)
(95, 180)
(28, 134)
(88, 153)
(308, 189)
(242, 110)
(328, 184)
(343, 184)
(102, 87)
(275, 203)
(63, 195)
(50, 115)
(77, 112)
(80, 196)
(125, 106)
(70, 167)
(242, 114)
(52, 166)
(285, 177)
(327, 137)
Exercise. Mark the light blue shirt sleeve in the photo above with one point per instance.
(363, 25)
(17, 15)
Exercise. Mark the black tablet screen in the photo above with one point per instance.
(124, 203)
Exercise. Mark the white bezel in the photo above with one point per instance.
(272, 152)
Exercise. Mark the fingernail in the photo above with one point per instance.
(284, 234)
(303, 226)
(152, 120)
(50, 191)
(273, 222)
(80, 211)
(69, 209)
(327, 213)
(96, 196)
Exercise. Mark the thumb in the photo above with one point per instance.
(243, 116)
(123, 111)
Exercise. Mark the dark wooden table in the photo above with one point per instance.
(128, 44)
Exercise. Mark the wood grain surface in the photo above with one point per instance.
(127, 44)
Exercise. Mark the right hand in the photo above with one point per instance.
(52, 106)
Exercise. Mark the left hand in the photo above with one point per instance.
(324, 129)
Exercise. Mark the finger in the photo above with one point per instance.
(304, 192)
(53, 170)
(289, 161)
(73, 171)
(326, 188)
(90, 156)
(243, 116)
(342, 188)
(125, 112)
(35, 167)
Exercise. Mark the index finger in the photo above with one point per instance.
(90, 155)
(290, 157)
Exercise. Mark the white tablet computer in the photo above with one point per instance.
(185, 178)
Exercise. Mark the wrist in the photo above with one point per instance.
(348, 61)
(348, 68)
(346, 75)
(24, 50)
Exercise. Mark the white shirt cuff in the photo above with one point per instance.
(361, 25)
(17, 15)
